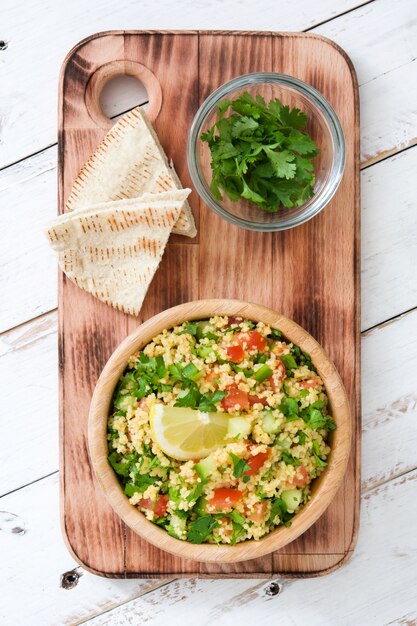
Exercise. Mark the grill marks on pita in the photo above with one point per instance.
(113, 249)
(129, 162)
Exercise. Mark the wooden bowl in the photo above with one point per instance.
(324, 488)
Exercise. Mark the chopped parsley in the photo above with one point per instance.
(199, 530)
(239, 465)
(262, 153)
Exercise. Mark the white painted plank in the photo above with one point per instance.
(389, 393)
(37, 47)
(33, 563)
(389, 238)
(381, 40)
(29, 408)
(28, 280)
(378, 586)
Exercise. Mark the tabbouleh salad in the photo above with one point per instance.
(218, 429)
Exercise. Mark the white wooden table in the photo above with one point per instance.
(40, 584)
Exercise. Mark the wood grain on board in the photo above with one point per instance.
(310, 274)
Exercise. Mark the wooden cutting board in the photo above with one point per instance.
(310, 273)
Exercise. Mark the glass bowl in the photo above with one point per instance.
(323, 126)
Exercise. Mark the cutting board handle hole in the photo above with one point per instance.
(119, 86)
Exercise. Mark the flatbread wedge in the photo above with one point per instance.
(129, 162)
(113, 249)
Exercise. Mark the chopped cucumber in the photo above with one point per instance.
(191, 371)
(262, 373)
(204, 350)
(285, 444)
(270, 423)
(200, 506)
(203, 328)
(238, 427)
(205, 467)
(124, 402)
(292, 498)
(176, 526)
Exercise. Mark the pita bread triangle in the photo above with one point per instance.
(113, 249)
(129, 162)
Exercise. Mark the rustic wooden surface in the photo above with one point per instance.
(310, 274)
(379, 582)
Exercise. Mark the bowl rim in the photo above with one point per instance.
(313, 206)
(325, 487)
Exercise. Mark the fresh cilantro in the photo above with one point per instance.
(191, 399)
(196, 492)
(289, 408)
(131, 489)
(314, 418)
(289, 459)
(121, 468)
(208, 401)
(317, 457)
(279, 508)
(301, 437)
(143, 481)
(239, 465)
(200, 529)
(261, 152)
(190, 329)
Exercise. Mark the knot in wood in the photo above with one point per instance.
(70, 579)
(273, 589)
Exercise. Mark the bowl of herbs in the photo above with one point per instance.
(266, 151)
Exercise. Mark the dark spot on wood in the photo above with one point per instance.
(273, 589)
(3, 44)
(70, 579)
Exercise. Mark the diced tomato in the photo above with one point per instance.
(307, 384)
(255, 462)
(256, 400)
(232, 319)
(253, 340)
(223, 500)
(300, 479)
(210, 377)
(277, 376)
(159, 508)
(258, 513)
(236, 354)
(235, 396)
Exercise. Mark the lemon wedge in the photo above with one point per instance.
(186, 434)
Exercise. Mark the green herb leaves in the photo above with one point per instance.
(260, 152)
(202, 401)
(200, 529)
(239, 465)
